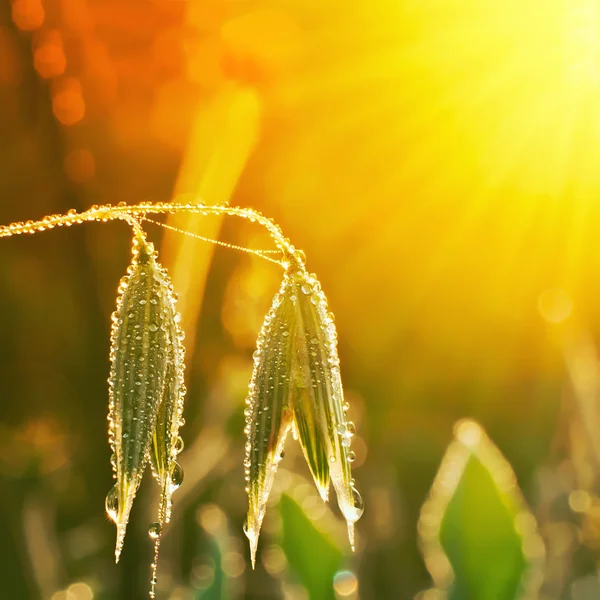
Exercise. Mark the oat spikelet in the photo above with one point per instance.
(296, 383)
(145, 363)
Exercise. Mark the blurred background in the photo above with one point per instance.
(438, 162)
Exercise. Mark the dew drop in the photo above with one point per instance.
(176, 475)
(359, 506)
(351, 428)
(346, 442)
(306, 289)
(112, 503)
(142, 302)
(341, 429)
(152, 327)
(351, 456)
(177, 445)
(154, 530)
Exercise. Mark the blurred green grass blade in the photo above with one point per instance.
(480, 540)
(311, 554)
(216, 589)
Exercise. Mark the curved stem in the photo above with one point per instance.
(108, 212)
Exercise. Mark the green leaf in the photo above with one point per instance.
(479, 539)
(311, 554)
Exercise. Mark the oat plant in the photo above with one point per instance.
(295, 384)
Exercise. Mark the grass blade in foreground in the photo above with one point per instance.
(296, 380)
(142, 339)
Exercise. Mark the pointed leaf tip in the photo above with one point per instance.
(296, 384)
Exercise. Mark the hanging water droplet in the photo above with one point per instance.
(346, 442)
(112, 503)
(176, 475)
(350, 429)
(177, 445)
(306, 289)
(341, 428)
(359, 506)
(154, 530)
(351, 456)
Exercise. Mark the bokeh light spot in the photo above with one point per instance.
(28, 15)
(233, 564)
(274, 560)
(80, 591)
(580, 501)
(468, 432)
(211, 518)
(555, 305)
(68, 105)
(49, 56)
(345, 583)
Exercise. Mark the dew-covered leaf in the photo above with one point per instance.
(296, 382)
(268, 411)
(318, 397)
(312, 555)
(477, 535)
(143, 330)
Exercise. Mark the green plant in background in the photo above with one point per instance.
(478, 537)
(295, 384)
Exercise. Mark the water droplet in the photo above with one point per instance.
(152, 327)
(359, 506)
(332, 458)
(350, 429)
(176, 475)
(142, 302)
(341, 428)
(177, 318)
(112, 503)
(346, 442)
(351, 456)
(306, 289)
(154, 530)
(177, 445)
